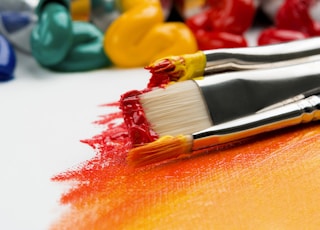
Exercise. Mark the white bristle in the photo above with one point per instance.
(177, 109)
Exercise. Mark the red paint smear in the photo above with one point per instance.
(92, 176)
(109, 163)
(106, 192)
(111, 147)
(159, 79)
(139, 129)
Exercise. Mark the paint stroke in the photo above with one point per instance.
(271, 181)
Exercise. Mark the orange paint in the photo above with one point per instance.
(271, 181)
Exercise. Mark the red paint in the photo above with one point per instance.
(223, 24)
(292, 22)
(233, 16)
(111, 147)
(200, 21)
(274, 35)
(159, 79)
(139, 129)
(160, 73)
(163, 72)
(294, 15)
(217, 39)
(278, 169)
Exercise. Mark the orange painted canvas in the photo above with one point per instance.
(271, 181)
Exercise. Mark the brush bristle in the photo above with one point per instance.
(176, 109)
(163, 149)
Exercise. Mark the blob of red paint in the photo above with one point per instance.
(139, 129)
(111, 147)
(162, 73)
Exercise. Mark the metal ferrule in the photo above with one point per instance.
(232, 95)
(260, 57)
(303, 111)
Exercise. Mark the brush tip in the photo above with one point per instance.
(166, 65)
(177, 68)
(172, 67)
(163, 149)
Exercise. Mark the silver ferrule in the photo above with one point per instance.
(302, 111)
(232, 95)
(261, 57)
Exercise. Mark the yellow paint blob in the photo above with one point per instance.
(140, 35)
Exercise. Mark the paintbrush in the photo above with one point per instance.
(292, 99)
(169, 147)
(189, 106)
(208, 62)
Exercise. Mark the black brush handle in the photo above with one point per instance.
(235, 94)
(292, 99)
(303, 111)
